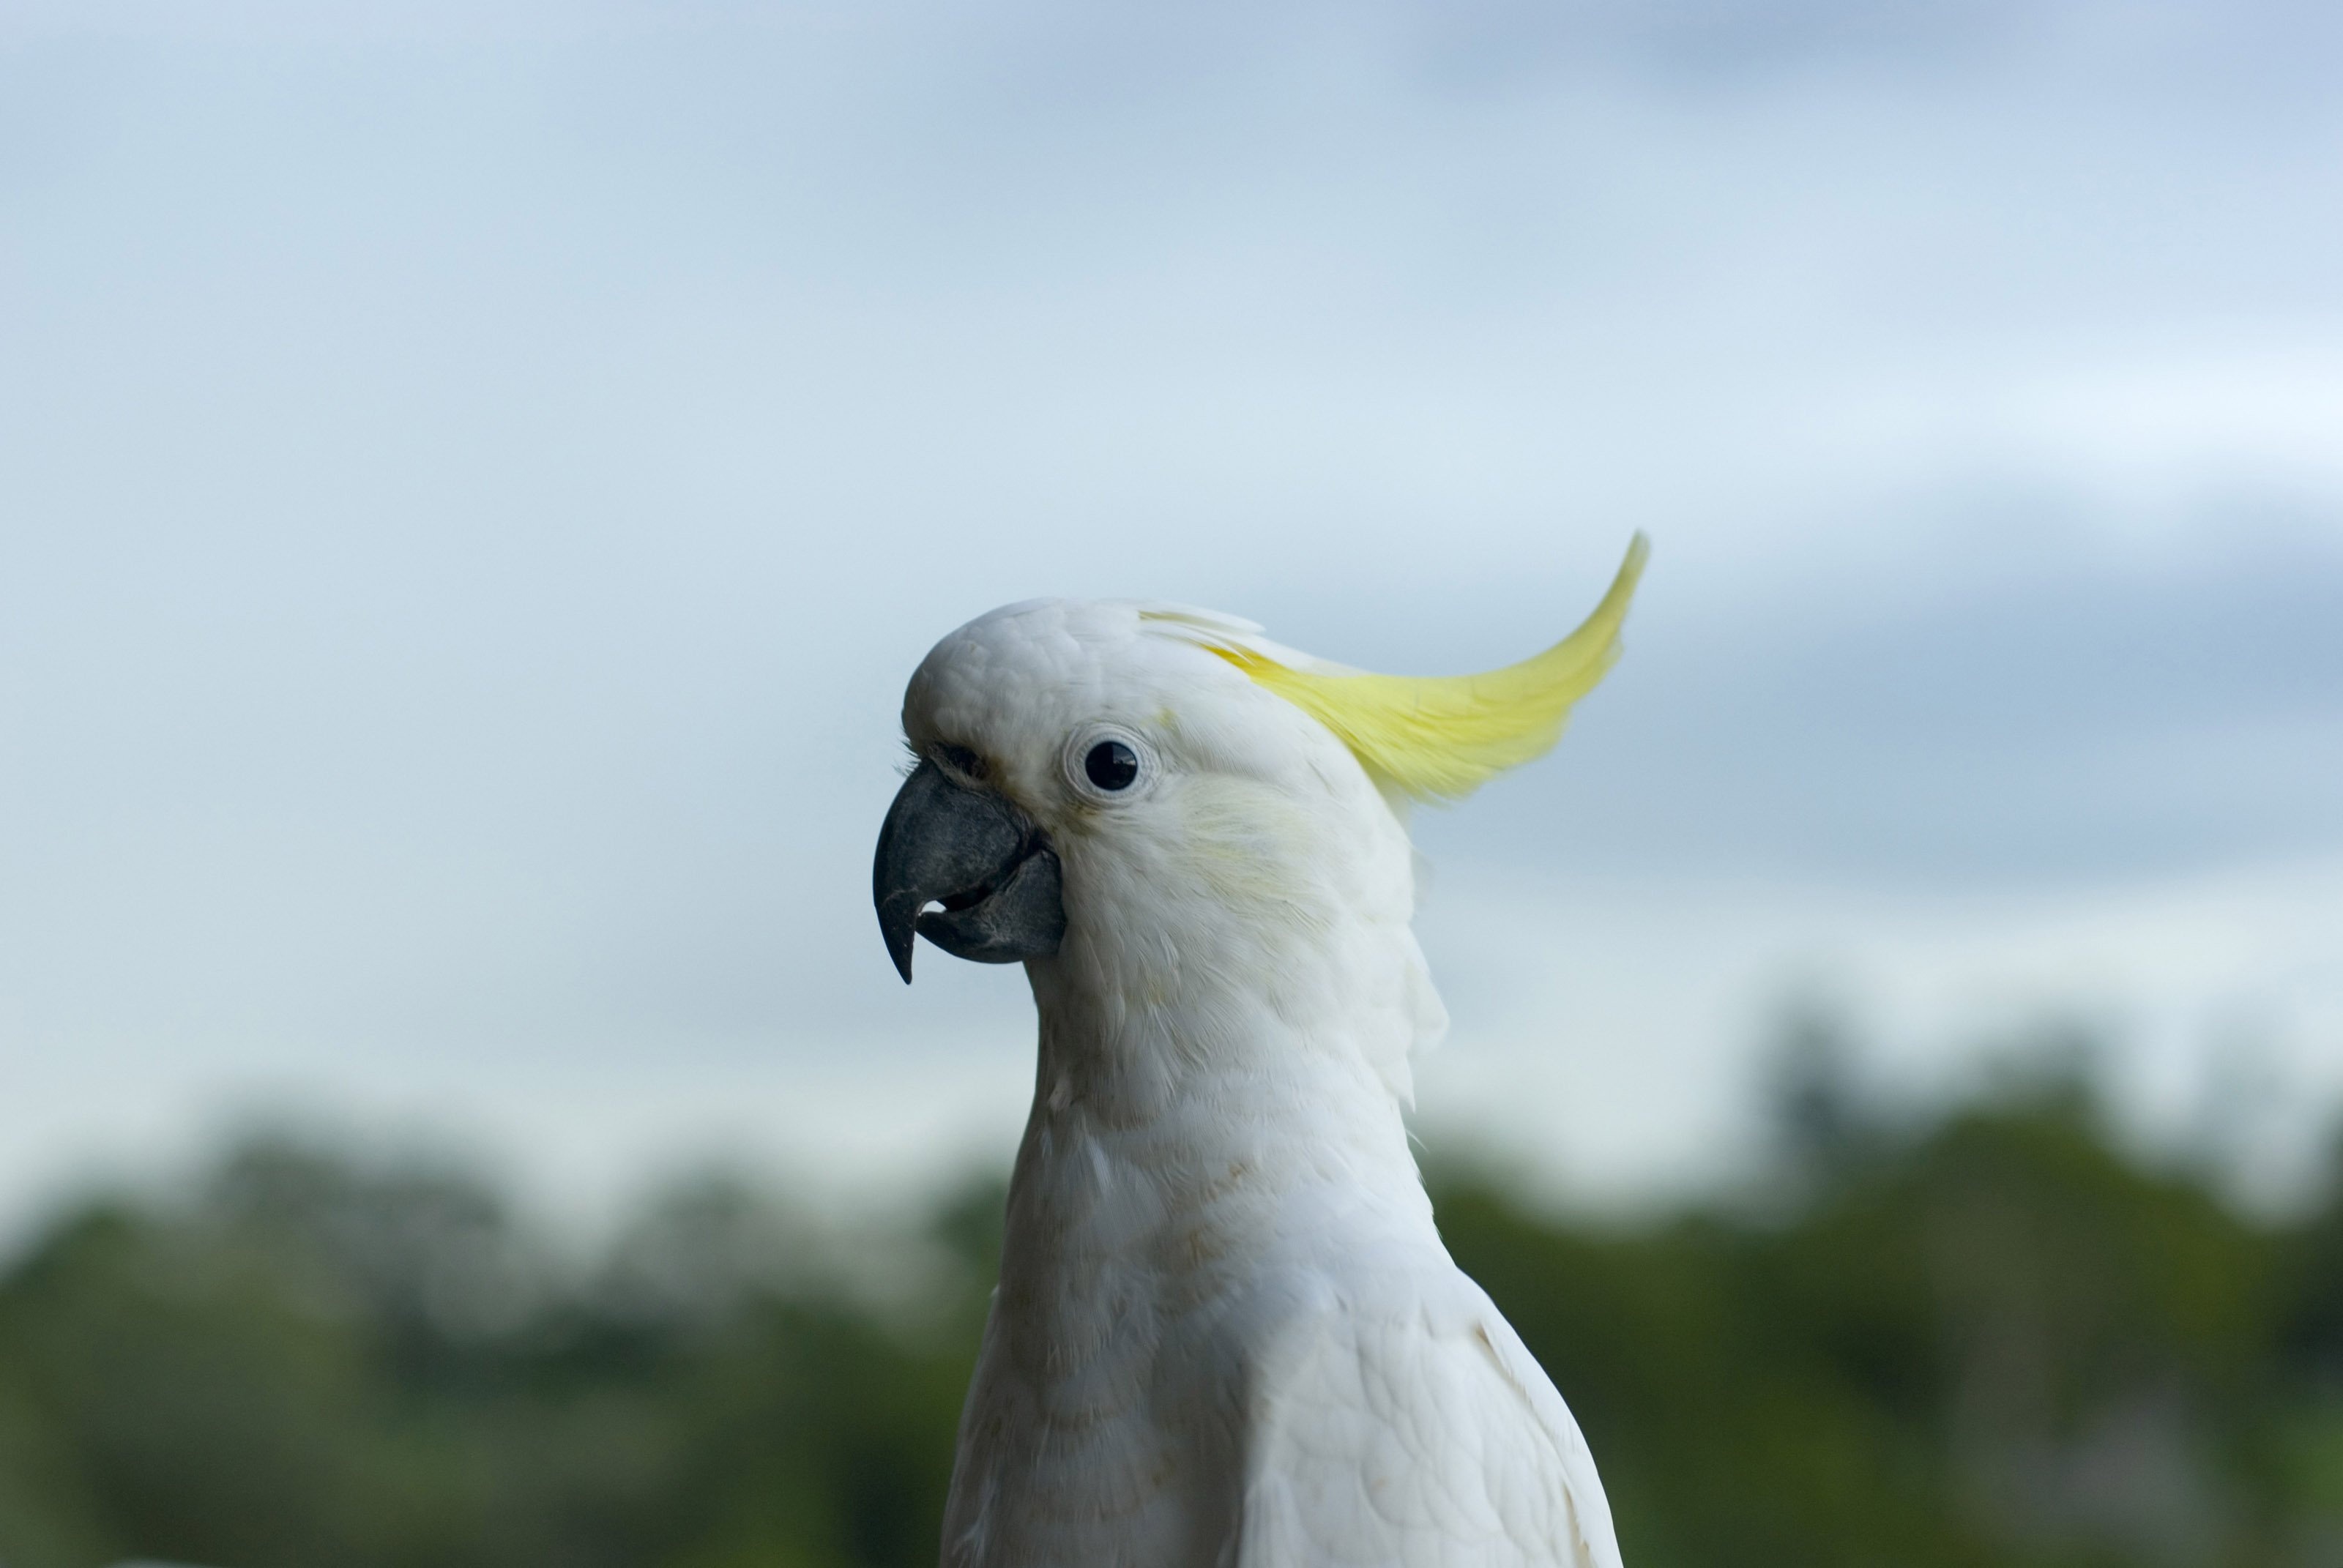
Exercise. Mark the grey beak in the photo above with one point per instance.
(974, 853)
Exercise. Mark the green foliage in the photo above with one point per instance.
(312, 1363)
(1993, 1340)
(1996, 1341)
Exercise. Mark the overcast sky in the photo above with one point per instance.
(475, 477)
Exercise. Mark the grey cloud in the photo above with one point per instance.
(469, 494)
(2048, 718)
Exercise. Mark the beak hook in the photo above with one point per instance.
(982, 859)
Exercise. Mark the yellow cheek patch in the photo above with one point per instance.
(1442, 738)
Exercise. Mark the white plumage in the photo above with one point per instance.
(1227, 1334)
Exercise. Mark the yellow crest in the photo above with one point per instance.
(1442, 738)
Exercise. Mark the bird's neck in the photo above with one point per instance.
(1183, 1071)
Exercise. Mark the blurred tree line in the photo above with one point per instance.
(1990, 1337)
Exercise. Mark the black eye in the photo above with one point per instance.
(1111, 764)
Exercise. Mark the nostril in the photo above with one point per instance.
(960, 760)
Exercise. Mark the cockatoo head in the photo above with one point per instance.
(1149, 791)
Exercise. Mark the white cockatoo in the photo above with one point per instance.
(1227, 1334)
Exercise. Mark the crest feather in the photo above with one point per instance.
(1443, 737)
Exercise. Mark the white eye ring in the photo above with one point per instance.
(1109, 764)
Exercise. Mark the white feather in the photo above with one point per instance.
(1227, 1334)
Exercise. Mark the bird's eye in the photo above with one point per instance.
(1111, 764)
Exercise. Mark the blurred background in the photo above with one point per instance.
(474, 479)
